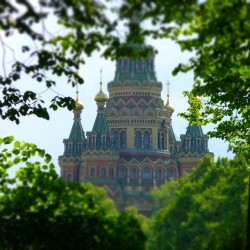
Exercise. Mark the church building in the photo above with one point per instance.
(132, 147)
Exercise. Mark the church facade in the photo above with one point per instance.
(132, 147)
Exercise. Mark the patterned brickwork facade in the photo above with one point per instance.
(132, 148)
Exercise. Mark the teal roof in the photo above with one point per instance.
(194, 131)
(194, 140)
(77, 140)
(77, 133)
(141, 69)
(132, 72)
(101, 125)
(100, 138)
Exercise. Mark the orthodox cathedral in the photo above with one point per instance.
(132, 147)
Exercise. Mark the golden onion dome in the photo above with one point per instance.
(78, 104)
(169, 107)
(101, 96)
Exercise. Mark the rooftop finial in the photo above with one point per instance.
(101, 78)
(168, 106)
(78, 104)
(168, 83)
(77, 93)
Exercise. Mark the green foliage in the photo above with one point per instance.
(39, 210)
(218, 34)
(86, 27)
(205, 210)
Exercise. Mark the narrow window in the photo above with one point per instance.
(159, 174)
(126, 64)
(69, 177)
(123, 139)
(139, 65)
(146, 139)
(122, 173)
(170, 173)
(138, 139)
(103, 172)
(146, 173)
(159, 140)
(133, 173)
(116, 139)
(163, 141)
(112, 172)
(92, 172)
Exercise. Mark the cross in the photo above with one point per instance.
(168, 83)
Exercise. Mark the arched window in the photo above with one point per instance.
(170, 173)
(69, 177)
(146, 173)
(159, 140)
(139, 65)
(138, 139)
(159, 174)
(163, 141)
(146, 139)
(116, 139)
(123, 139)
(70, 149)
(98, 142)
(103, 172)
(92, 172)
(133, 173)
(122, 173)
(126, 64)
(112, 172)
(90, 141)
(151, 64)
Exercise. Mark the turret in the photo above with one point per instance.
(70, 161)
(100, 138)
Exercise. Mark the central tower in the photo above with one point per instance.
(142, 129)
(135, 110)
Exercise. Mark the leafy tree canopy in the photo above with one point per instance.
(207, 209)
(38, 210)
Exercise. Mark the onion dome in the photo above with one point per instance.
(101, 96)
(78, 105)
(169, 107)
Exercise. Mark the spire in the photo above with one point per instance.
(168, 83)
(101, 97)
(168, 105)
